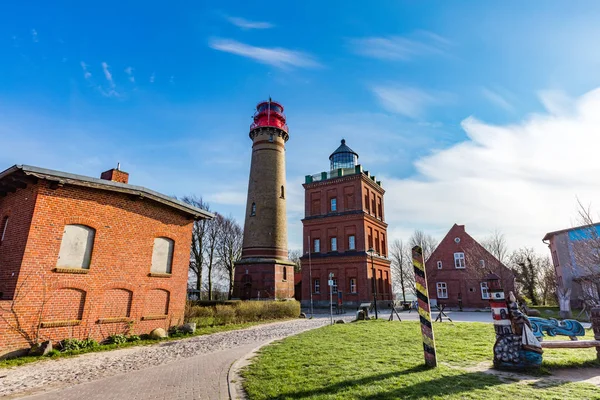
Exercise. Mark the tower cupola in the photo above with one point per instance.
(343, 157)
(269, 114)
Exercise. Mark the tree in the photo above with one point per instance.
(548, 282)
(294, 256)
(198, 240)
(402, 269)
(229, 248)
(496, 245)
(427, 242)
(586, 252)
(210, 249)
(526, 266)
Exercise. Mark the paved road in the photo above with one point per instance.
(200, 372)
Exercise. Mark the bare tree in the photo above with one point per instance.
(402, 269)
(586, 252)
(229, 248)
(198, 240)
(294, 256)
(496, 245)
(210, 249)
(548, 282)
(427, 242)
(527, 266)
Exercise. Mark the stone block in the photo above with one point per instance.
(158, 333)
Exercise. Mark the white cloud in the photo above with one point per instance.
(400, 48)
(34, 35)
(111, 91)
(227, 197)
(408, 101)
(246, 24)
(129, 72)
(522, 179)
(497, 99)
(108, 75)
(86, 74)
(278, 57)
(152, 77)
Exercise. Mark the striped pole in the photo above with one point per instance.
(424, 310)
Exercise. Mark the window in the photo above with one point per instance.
(555, 258)
(352, 285)
(3, 228)
(383, 250)
(284, 273)
(76, 247)
(282, 192)
(253, 210)
(333, 244)
(482, 263)
(442, 290)
(373, 208)
(484, 291)
(317, 245)
(162, 255)
(334, 288)
(459, 260)
(380, 209)
(367, 202)
(317, 285)
(439, 265)
(351, 242)
(271, 138)
(333, 202)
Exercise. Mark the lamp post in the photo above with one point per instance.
(371, 251)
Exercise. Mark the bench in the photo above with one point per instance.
(567, 327)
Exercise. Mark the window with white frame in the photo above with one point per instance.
(352, 285)
(333, 244)
(482, 263)
(3, 229)
(162, 255)
(459, 260)
(442, 290)
(317, 285)
(439, 265)
(351, 242)
(485, 294)
(334, 288)
(333, 204)
(317, 245)
(76, 247)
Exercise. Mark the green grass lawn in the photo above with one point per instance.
(384, 360)
(554, 312)
(207, 330)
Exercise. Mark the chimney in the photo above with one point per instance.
(115, 175)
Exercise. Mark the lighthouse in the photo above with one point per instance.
(264, 270)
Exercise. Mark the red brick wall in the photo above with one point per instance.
(120, 262)
(465, 282)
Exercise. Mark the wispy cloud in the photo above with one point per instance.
(246, 24)
(497, 99)
(408, 101)
(276, 56)
(152, 77)
(111, 91)
(34, 35)
(400, 48)
(171, 79)
(129, 72)
(86, 74)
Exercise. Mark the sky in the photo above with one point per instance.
(477, 113)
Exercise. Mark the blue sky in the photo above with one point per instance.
(474, 112)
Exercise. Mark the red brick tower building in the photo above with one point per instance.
(344, 219)
(264, 270)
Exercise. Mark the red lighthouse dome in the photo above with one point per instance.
(269, 113)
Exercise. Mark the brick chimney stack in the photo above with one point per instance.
(115, 175)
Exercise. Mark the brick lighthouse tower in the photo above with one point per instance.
(264, 270)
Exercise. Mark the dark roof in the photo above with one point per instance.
(550, 234)
(10, 176)
(343, 149)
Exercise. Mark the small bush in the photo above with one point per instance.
(241, 312)
(224, 315)
(53, 353)
(117, 338)
(134, 338)
(76, 344)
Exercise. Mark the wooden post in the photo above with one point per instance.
(596, 327)
(424, 310)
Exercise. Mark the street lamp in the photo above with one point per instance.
(371, 251)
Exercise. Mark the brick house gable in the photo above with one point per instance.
(463, 283)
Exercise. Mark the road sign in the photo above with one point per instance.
(330, 282)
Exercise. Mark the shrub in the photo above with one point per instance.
(241, 312)
(224, 315)
(134, 338)
(53, 353)
(117, 338)
(76, 344)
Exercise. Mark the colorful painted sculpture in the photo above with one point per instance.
(516, 346)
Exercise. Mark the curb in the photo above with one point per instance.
(234, 379)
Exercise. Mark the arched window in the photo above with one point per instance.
(253, 210)
(284, 273)
(3, 229)
(76, 247)
(282, 192)
(162, 255)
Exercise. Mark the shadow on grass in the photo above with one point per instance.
(425, 388)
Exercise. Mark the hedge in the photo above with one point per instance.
(241, 312)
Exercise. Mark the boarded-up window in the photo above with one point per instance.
(162, 255)
(76, 247)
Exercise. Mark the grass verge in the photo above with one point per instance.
(14, 362)
(554, 312)
(384, 360)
